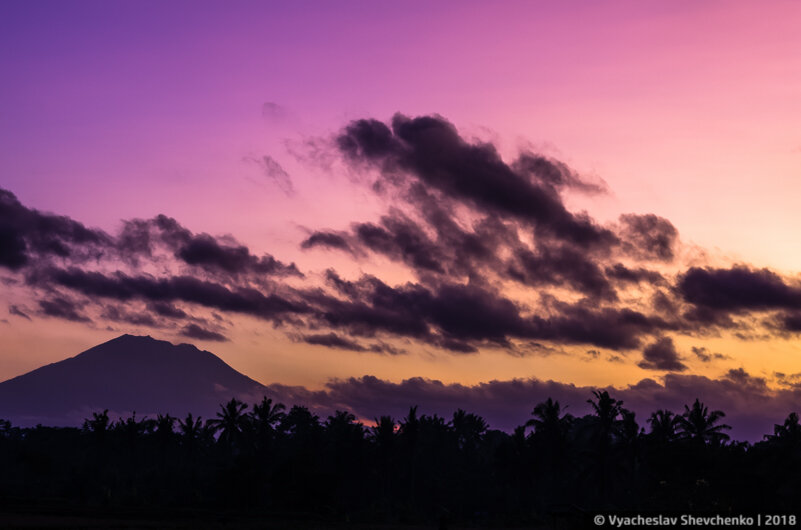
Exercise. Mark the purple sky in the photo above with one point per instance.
(225, 116)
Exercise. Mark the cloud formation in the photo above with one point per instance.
(751, 407)
(193, 331)
(431, 150)
(495, 260)
(662, 355)
(27, 235)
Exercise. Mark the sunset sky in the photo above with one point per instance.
(591, 193)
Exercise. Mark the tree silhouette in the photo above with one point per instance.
(663, 426)
(265, 417)
(409, 434)
(383, 432)
(549, 422)
(604, 431)
(164, 427)
(231, 423)
(469, 429)
(789, 433)
(699, 424)
(418, 471)
(383, 436)
(191, 430)
(607, 410)
(98, 425)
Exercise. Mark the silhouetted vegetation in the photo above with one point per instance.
(283, 463)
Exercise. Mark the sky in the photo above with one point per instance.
(598, 194)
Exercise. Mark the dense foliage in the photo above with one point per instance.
(289, 463)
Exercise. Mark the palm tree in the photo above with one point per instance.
(132, 429)
(628, 429)
(549, 443)
(409, 428)
(699, 424)
(164, 426)
(469, 429)
(302, 427)
(383, 436)
(231, 423)
(98, 425)
(344, 430)
(549, 422)
(607, 410)
(788, 433)
(265, 417)
(409, 433)
(383, 433)
(663, 426)
(191, 430)
(606, 428)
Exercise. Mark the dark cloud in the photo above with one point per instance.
(704, 355)
(166, 309)
(648, 236)
(327, 239)
(332, 340)
(662, 355)
(738, 288)
(463, 251)
(792, 381)
(430, 149)
(61, 307)
(664, 303)
(26, 234)
(458, 313)
(791, 321)
(606, 327)
(465, 222)
(141, 238)
(461, 317)
(622, 273)
(554, 173)
(13, 249)
(120, 286)
(371, 308)
(751, 407)
(740, 377)
(403, 240)
(207, 252)
(561, 265)
(193, 331)
(31, 238)
(16, 310)
(433, 245)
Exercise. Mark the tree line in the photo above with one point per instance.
(288, 463)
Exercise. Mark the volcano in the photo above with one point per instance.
(125, 375)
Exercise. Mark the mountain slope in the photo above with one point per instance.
(125, 374)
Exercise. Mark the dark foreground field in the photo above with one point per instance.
(271, 468)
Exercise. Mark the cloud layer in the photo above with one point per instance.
(494, 259)
(751, 407)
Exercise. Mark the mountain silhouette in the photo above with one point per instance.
(127, 374)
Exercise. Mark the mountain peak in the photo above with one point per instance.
(124, 374)
(141, 346)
